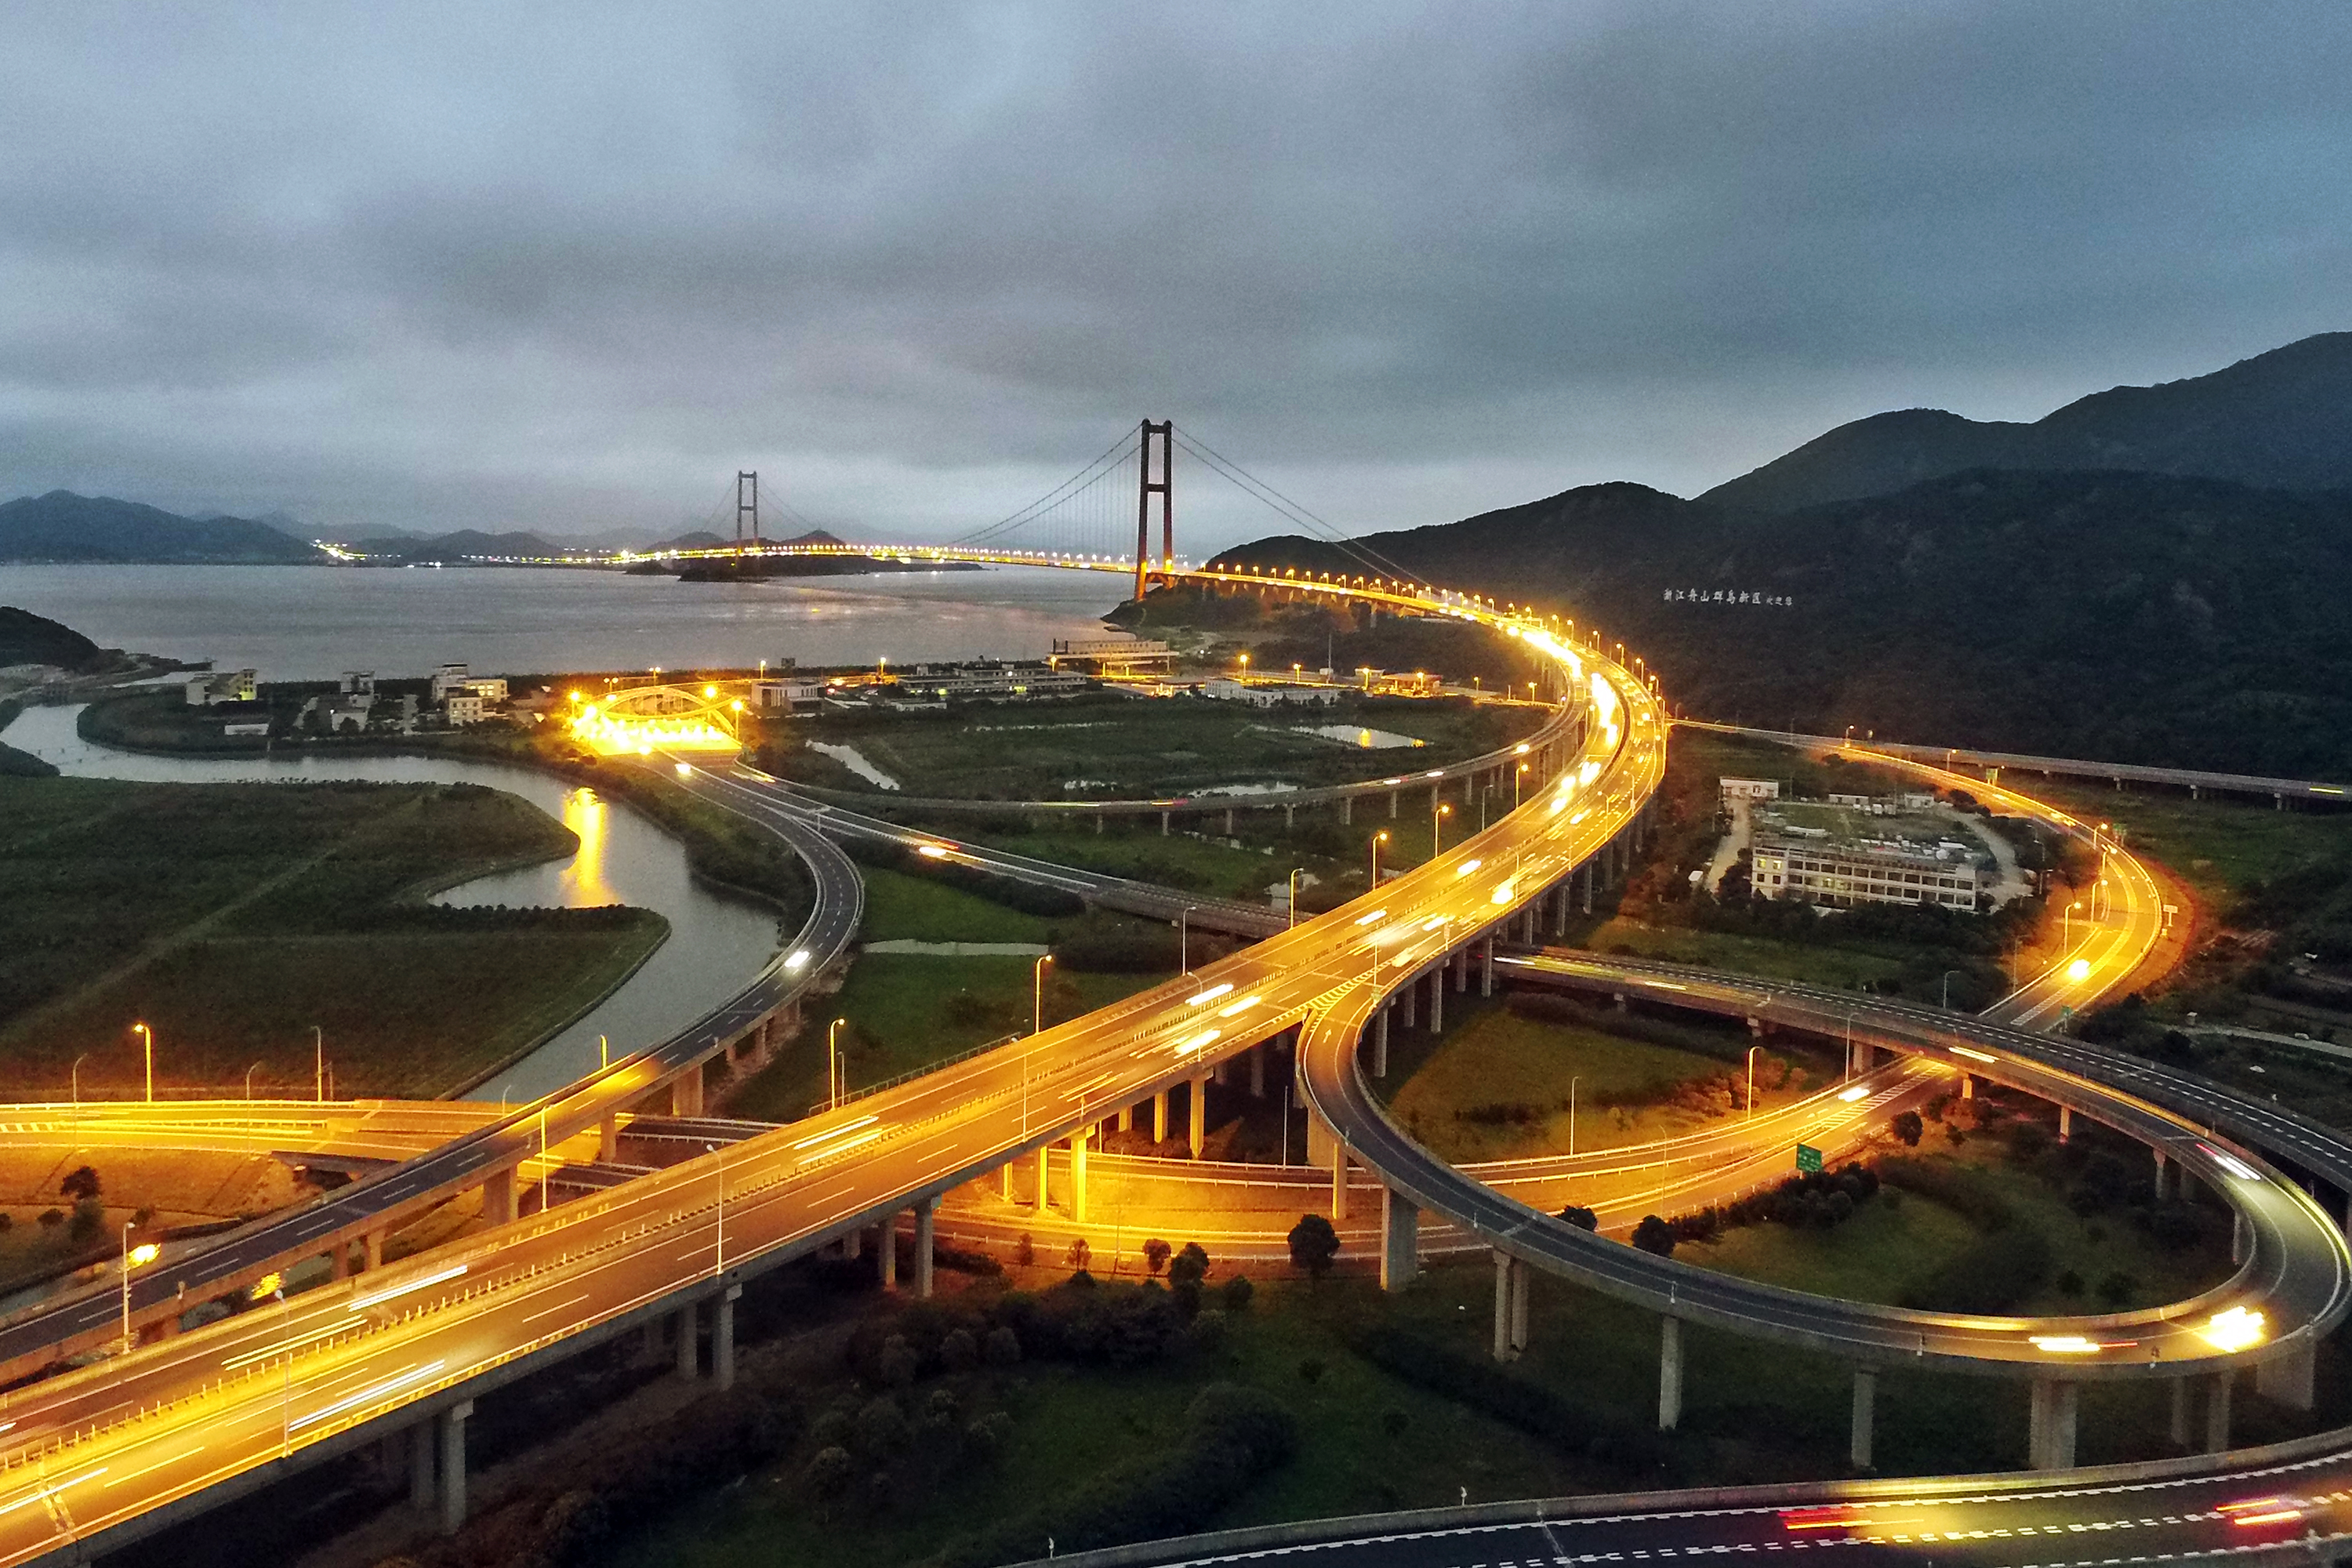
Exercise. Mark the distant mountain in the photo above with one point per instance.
(29, 638)
(2138, 618)
(2280, 420)
(63, 526)
(703, 538)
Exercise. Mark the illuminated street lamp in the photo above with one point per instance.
(1751, 1078)
(832, 1063)
(1518, 780)
(1948, 988)
(1572, 1113)
(76, 1076)
(1290, 896)
(1378, 839)
(249, 1080)
(1435, 812)
(1037, 994)
(318, 1067)
(1184, 938)
(148, 1035)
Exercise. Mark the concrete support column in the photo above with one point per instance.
(1587, 868)
(372, 1251)
(1346, 810)
(1559, 901)
(1520, 1274)
(2241, 1237)
(1339, 1182)
(1200, 1097)
(2287, 1378)
(339, 1260)
(1411, 998)
(1399, 1240)
(685, 1092)
(689, 1349)
(2065, 1123)
(1865, 1414)
(1461, 970)
(1257, 1069)
(1127, 1118)
(452, 1424)
(1486, 967)
(723, 1338)
(2050, 1440)
(1392, 805)
(1507, 1271)
(2217, 1412)
(926, 1243)
(1078, 1177)
(1670, 1373)
(498, 1197)
(1437, 1000)
(2180, 1413)
(421, 1439)
(2163, 1169)
(1968, 1092)
(1381, 1045)
(1160, 1117)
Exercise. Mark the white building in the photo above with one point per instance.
(462, 707)
(1267, 694)
(448, 678)
(1842, 874)
(1747, 789)
(211, 691)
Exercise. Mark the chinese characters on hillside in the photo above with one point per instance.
(1725, 597)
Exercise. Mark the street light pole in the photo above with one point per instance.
(1378, 839)
(318, 1065)
(720, 1266)
(1184, 939)
(126, 1284)
(249, 1080)
(1948, 988)
(1571, 1114)
(1751, 1078)
(77, 1078)
(1037, 994)
(831, 1065)
(1436, 812)
(148, 1035)
(1290, 896)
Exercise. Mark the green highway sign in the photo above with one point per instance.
(1808, 1158)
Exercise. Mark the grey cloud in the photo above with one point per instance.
(569, 268)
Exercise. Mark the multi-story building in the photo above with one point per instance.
(1843, 873)
(1731, 789)
(230, 686)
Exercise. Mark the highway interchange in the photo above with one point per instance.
(148, 1436)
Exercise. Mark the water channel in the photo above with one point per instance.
(716, 943)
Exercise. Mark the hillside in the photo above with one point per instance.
(2280, 420)
(2139, 617)
(65, 527)
(29, 638)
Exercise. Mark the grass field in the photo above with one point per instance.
(1493, 1057)
(2217, 846)
(1845, 967)
(908, 1010)
(232, 918)
(902, 908)
(1113, 747)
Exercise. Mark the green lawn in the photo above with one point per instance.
(1493, 1057)
(1847, 968)
(905, 1011)
(904, 907)
(2219, 846)
(232, 918)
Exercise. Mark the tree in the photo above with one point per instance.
(1155, 1255)
(1313, 1245)
(1581, 1218)
(1909, 1127)
(1079, 1254)
(1191, 1265)
(1654, 1234)
(81, 1184)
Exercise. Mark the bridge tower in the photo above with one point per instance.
(1164, 431)
(747, 505)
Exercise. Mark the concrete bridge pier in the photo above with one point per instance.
(685, 1092)
(2181, 1393)
(689, 1347)
(2050, 1440)
(1587, 870)
(926, 1242)
(1437, 999)
(1126, 1120)
(1410, 993)
(2241, 1237)
(1670, 1373)
(1866, 1416)
(2163, 1175)
(452, 1427)
(1044, 1199)
(2287, 1378)
(2065, 1123)
(372, 1251)
(886, 1250)
(1399, 1240)
(1381, 1045)
(1561, 897)
(1078, 1178)
(2217, 1412)
(723, 1338)
(498, 1197)
(1461, 971)
(339, 1260)
(1160, 1117)
(1257, 1067)
(1339, 1182)
(608, 1138)
(1487, 966)
(1392, 805)
(1200, 1099)
(1511, 1306)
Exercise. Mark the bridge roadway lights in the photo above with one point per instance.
(1511, 1306)
(723, 1338)
(2050, 1439)
(1399, 1240)
(1670, 1373)
(1865, 1414)
(926, 1242)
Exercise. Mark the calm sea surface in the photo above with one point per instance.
(309, 622)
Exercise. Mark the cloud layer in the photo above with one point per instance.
(569, 268)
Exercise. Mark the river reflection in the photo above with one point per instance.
(716, 944)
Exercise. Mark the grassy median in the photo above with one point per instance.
(232, 918)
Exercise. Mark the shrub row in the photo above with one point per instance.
(1026, 897)
(1473, 1381)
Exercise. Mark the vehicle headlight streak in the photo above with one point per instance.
(362, 1303)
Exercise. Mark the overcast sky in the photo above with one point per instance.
(569, 268)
